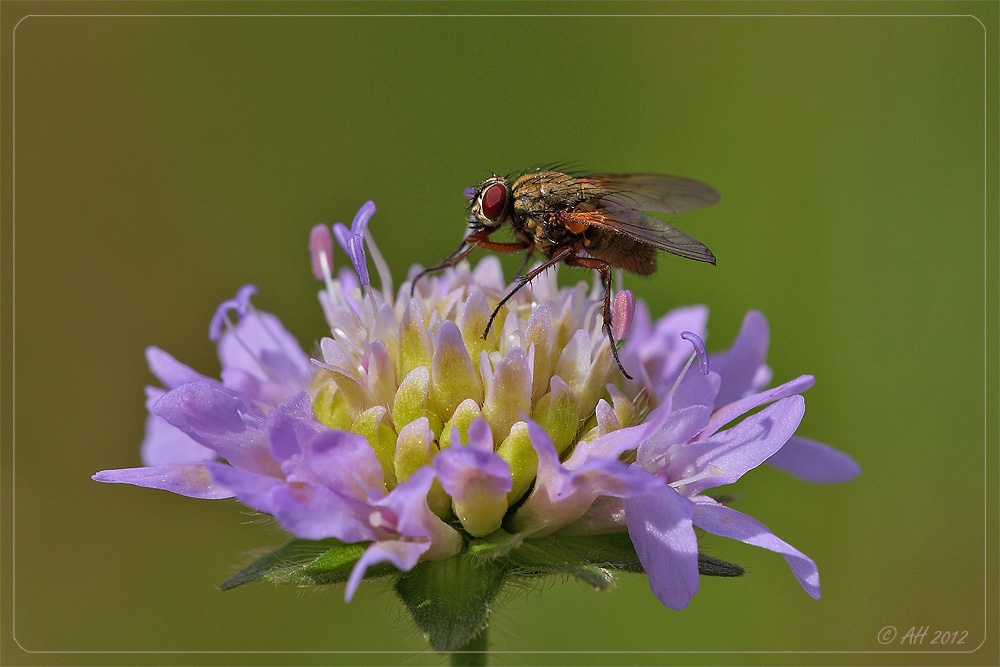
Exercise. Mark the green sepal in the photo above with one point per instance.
(450, 599)
(544, 557)
(587, 558)
(714, 567)
(306, 562)
(612, 551)
(590, 558)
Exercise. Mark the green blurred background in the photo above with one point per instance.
(161, 162)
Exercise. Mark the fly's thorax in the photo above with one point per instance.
(551, 191)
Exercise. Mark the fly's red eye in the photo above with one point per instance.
(494, 199)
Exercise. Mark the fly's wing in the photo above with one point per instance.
(644, 228)
(655, 192)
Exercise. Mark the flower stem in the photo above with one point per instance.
(474, 653)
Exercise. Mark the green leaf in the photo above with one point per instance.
(449, 599)
(305, 562)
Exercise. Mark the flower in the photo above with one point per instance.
(414, 434)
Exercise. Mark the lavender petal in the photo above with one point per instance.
(814, 462)
(731, 453)
(220, 421)
(660, 527)
(192, 480)
(309, 511)
(726, 522)
(747, 354)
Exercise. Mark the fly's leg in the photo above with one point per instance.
(605, 269)
(524, 264)
(451, 260)
(561, 254)
(477, 240)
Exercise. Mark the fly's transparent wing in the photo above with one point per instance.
(656, 192)
(643, 228)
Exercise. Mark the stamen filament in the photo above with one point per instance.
(381, 266)
(713, 471)
(681, 375)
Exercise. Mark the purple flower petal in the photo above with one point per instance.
(164, 444)
(345, 462)
(616, 443)
(171, 372)
(729, 454)
(814, 462)
(605, 515)
(478, 482)
(288, 430)
(561, 496)
(408, 503)
(739, 365)
(607, 420)
(420, 533)
(697, 389)
(465, 471)
(728, 413)
(659, 525)
(220, 421)
(403, 555)
(261, 346)
(480, 435)
(726, 522)
(192, 480)
(761, 378)
(309, 511)
(681, 426)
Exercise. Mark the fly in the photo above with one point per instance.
(590, 221)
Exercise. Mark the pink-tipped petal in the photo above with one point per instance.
(622, 311)
(321, 244)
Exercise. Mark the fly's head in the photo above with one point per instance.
(491, 204)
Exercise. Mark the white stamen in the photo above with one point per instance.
(384, 275)
(681, 376)
(327, 270)
(342, 338)
(713, 471)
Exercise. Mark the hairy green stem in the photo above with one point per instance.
(474, 653)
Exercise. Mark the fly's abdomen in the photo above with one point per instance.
(621, 251)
